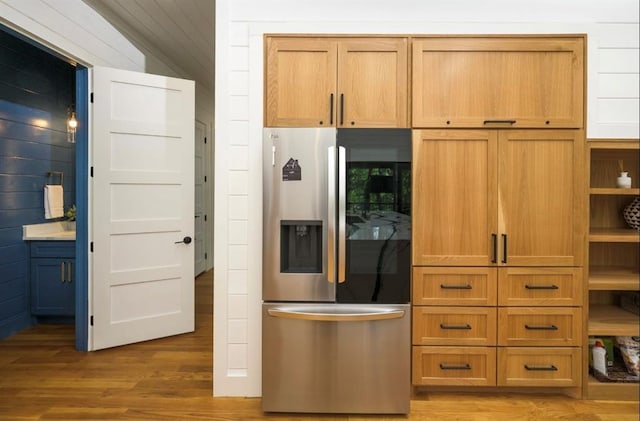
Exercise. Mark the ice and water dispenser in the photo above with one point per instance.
(301, 246)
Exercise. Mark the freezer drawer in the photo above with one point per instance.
(336, 358)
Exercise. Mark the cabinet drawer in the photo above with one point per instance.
(53, 249)
(454, 326)
(540, 287)
(558, 367)
(460, 366)
(454, 286)
(540, 326)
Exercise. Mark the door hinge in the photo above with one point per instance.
(205, 178)
(205, 256)
(91, 320)
(205, 140)
(91, 247)
(205, 218)
(91, 97)
(91, 171)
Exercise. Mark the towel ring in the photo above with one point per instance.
(52, 174)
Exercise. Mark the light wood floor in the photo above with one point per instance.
(43, 377)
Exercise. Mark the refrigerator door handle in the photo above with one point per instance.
(342, 212)
(336, 317)
(331, 215)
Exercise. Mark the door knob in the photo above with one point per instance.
(185, 240)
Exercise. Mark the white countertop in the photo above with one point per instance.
(49, 231)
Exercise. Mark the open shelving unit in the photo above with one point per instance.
(614, 262)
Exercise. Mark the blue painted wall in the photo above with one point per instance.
(36, 90)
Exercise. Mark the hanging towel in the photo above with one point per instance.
(53, 201)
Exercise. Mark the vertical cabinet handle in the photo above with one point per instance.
(494, 240)
(331, 109)
(341, 109)
(504, 247)
(66, 272)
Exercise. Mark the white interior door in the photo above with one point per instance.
(200, 212)
(142, 196)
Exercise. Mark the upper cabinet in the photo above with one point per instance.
(336, 82)
(519, 82)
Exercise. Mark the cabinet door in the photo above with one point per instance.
(52, 288)
(523, 81)
(454, 197)
(300, 82)
(541, 189)
(372, 82)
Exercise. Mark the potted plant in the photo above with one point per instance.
(70, 218)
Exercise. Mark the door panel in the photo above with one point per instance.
(143, 206)
(454, 197)
(300, 82)
(540, 191)
(467, 82)
(372, 82)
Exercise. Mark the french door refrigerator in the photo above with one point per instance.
(336, 270)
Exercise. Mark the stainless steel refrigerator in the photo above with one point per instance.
(336, 270)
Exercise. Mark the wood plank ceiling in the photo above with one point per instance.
(179, 32)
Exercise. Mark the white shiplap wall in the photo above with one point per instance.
(613, 89)
(612, 29)
(72, 29)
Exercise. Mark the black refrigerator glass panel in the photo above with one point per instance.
(378, 216)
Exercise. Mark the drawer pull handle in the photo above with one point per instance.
(499, 122)
(456, 327)
(455, 367)
(541, 367)
(550, 327)
(442, 286)
(541, 287)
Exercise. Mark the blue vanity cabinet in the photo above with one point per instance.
(52, 278)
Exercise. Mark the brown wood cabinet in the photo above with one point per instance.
(336, 82)
(536, 328)
(513, 81)
(498, 197)
(499, 213)
(613, 254)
